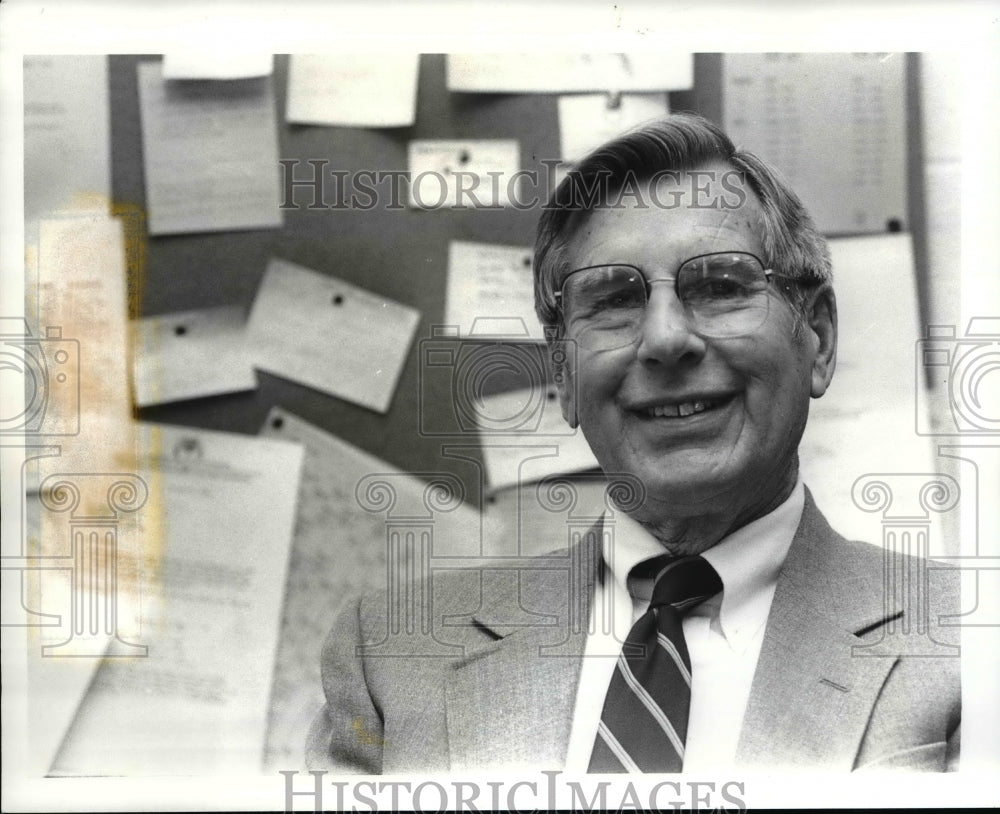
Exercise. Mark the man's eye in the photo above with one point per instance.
(618, 298)
(716, 288)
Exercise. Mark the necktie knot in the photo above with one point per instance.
(681, 582)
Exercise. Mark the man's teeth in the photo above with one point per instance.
(681, 410)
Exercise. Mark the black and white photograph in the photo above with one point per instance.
(552, 407)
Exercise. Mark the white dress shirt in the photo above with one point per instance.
(723, 634)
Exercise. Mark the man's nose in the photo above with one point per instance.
(667, 334)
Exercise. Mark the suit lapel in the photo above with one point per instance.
(812, 693)
(510, 701)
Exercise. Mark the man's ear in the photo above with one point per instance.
(562, 374)
(822, 331)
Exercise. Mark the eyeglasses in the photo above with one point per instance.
(724, 295)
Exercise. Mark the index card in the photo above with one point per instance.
(525, 438)
(490, 282)
(339, 550)
(464, 174)
(67, 136)
(548, 72)
(851, 176)
(210, 153)
(587, 121)
(330, 335)
(191, 354)
(217, 532)
(216, 65)
(867, 420)
(353, 90)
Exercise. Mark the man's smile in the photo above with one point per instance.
(680, 408)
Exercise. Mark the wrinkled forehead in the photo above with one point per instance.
(666, 218)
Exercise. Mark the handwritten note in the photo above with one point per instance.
(330, 335)
(852, 176)
(210, 152)
(353, 90)
(197, 702)
(489, 283)
(553, 72)
(191, 354)
(339, 550)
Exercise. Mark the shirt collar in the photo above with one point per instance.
(747, 561)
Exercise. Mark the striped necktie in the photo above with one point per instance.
(644, 722)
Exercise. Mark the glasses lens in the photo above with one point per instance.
(603, 306)
(725, 294)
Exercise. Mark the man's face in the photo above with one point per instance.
(738, 451)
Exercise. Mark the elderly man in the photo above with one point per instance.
(716, 621)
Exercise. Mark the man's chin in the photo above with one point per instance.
(691, 496)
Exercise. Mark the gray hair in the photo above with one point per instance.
(793, 246)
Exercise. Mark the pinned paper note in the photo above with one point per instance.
(487, 282)
(353, 90)
(330, 335)
(215, 64)
(548, 72)
(587, 121)
(67, 136)
(192, 354)
(464, 174)
(525, 438)
(194, 701)
(210, 152)
(852, 176)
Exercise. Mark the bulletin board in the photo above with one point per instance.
(401, 254)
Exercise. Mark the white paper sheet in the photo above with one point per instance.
(588, 120)
(216, 538)
(216, 64)
(849, 170)
(488, 282)
(547, 72)
(191, 354)
(353, 90)
(464, 174)
(67, 141)
(339, 551)
(77, 357)
(330, 335)
(210, 153)
(525, 438)
(867, 421)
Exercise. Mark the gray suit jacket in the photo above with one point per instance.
(856, 670)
